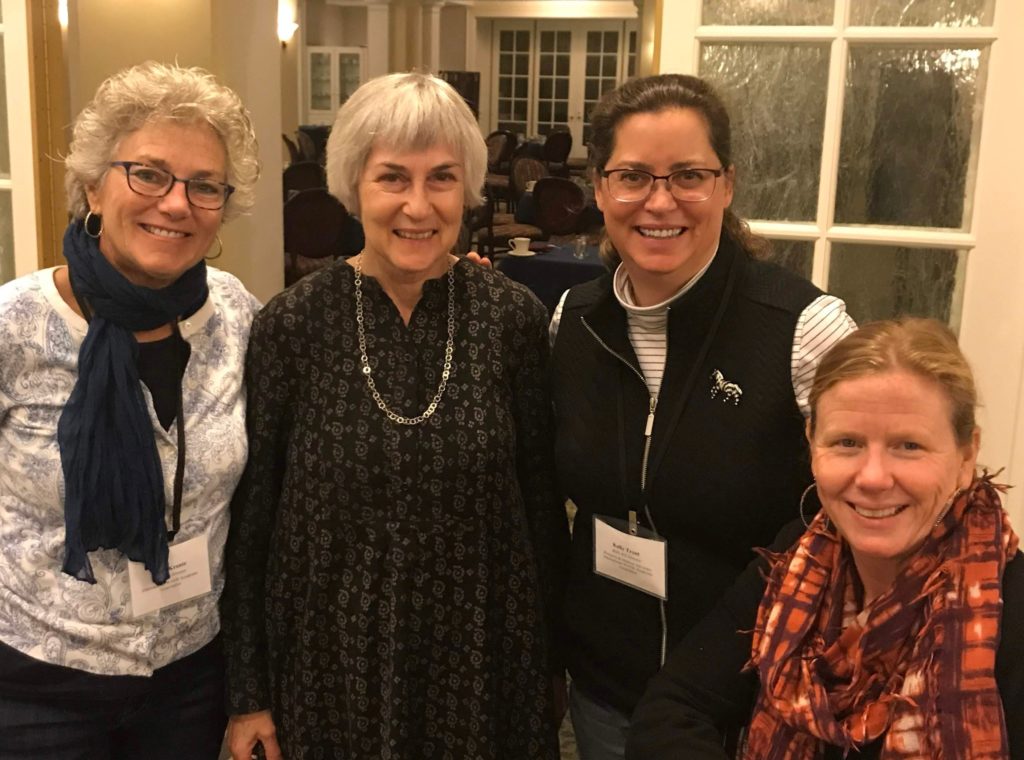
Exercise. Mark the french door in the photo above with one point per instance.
(549, 74)
(874, 142)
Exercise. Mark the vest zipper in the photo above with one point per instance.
(648, 434)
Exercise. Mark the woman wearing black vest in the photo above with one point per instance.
(680, 384)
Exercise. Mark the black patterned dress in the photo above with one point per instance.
(388, 586)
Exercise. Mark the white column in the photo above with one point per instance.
(377, 38)
(247, 58)
(431, 31)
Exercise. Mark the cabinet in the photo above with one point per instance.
(333, 74)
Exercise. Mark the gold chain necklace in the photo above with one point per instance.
(364, 361)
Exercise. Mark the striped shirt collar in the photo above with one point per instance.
(623, 290)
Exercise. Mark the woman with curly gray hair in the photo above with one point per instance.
(122, 432)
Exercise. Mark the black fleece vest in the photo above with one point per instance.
(725, 470)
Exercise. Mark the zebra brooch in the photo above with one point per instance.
(729, 391)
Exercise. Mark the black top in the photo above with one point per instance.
(161, 367)
(722, 477)
(387, 584)
(700, 698)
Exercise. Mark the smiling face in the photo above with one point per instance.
(664, 242)
(887, 462)
(411, 208)
(153, 241)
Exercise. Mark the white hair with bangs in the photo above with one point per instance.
(406, 112)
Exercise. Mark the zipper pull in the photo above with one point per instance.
(650, 418)
(632, 522)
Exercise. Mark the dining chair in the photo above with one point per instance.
(303, 175)
(557, 147)
(490, 236)
(524, 170)
(293, 150)
(317, 230)
(559, 204)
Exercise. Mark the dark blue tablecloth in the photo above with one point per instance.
(551, 273)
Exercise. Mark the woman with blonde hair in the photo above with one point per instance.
(122, 432)
(891, 625)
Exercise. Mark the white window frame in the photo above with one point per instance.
(992, 314)
(22, 182)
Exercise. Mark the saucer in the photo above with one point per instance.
(526, 253)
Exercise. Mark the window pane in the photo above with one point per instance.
(522, 40)
(562, 88)
(611, 42)
(908, 133)
(545, 87)
(547, 42)
(562, 66)
(881, 282)
(775, 12)
(522, 64)
(922, 13)
(505, 41)
(593, 42)
(777, 162)
(6, 237)
(564, 42)
(795, 255)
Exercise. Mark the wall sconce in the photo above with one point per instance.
(62, 13)
(286, 25)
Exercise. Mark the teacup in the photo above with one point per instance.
(519, 245)
(530, 185)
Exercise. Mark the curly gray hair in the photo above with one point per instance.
(153, 92)
(409, 111)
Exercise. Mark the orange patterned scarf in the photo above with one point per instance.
(916, 666)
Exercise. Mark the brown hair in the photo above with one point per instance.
(660, 93)
(925, 347)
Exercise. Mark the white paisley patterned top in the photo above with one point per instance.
(45, 613)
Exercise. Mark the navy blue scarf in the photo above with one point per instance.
(114, 485)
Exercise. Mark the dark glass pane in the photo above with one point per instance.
(590, 89)
(908, 127)
(564, 42)
(505, 41)
(522, 64)
(562, 88)
(522, 87)
(545, 88)
(611, 42)
(544, 110)
(562, 66)
(593, 66)
(520, 110)
(504, 87)
(593, 42)
(795, 255)
(561, 111)
(881, 282)
(608, 66)
(504, 108)
(922, 12)
(522, 40)
(776, 12)
(546, 65)
(777, 154)
(547, 42)
(504, 64)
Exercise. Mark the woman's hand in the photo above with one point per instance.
(244, 731)
(476, 258)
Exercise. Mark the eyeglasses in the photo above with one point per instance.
(635, 185)
(155, 183)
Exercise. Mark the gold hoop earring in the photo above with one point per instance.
(94, 235)
(220, 249)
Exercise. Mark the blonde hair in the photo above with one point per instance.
(925, 347)
(154, 92)
(410, 111)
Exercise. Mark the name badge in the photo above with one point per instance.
(189, 566)
(639, 561)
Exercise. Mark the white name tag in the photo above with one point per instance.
(189, 565)
(636, 561)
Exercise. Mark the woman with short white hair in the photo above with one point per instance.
(122, 432)
(397, 540)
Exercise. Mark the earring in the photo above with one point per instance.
(803, 498)
(220, 250)
(89, 216)
(803, 517)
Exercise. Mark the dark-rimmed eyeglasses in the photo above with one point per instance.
(155, 183)
(636, 185)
